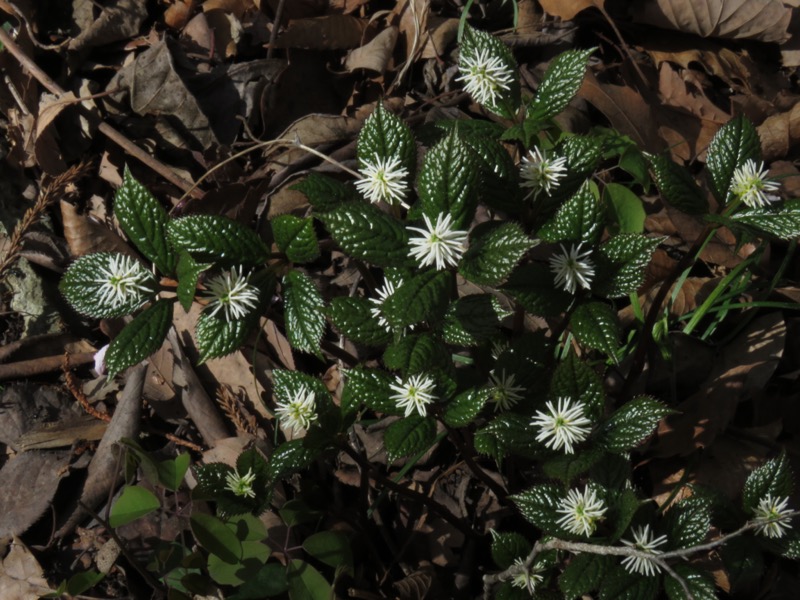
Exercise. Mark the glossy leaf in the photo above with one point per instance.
(188, 274)
(678, 188)
(352, 316)
(580, 219)
(596, 326)
(140, 338)
(634, 422)
(134, 503)
(295, 236)
(420, 298)
(493, 252)
(217, 239)
(409, 436)
(303, 312)
(734, 143)
(560, 83)
(365, 232)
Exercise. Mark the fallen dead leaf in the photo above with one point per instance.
(331, 32)
(567, 9)
(85, 235)
(375, 55)
(780, 133)
(118, 20)
(21, 576)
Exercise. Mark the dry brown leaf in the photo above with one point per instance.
(762, 20)
(84, 235)
(119, 20)
(331, 32)
(347, 6)
(567, 9)
(780, 133)
(21, 576)
(440, 34)
(235, 7)
(178, 13)
(677, 90)
(375, 55)
(416, 585)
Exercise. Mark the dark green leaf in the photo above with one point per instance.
(268, 582)
(188, 274)
(254, 555)
(700, 584)
(575, 379)
(448, 182)
(296, 237)
(473, 43)
(508, 432)
(303, 312)
(365, 232)
(596, 326)
(677, 186)
(618, 584)
(473, 319)
(580, 219)
(420, 298)
(415, 353)
(499, 177)
(330, 547)
(630, 425)
(583, 154)
(533, 286)
(508, 547)
(409, 436)
(559, 85)
(494, 251)
(385, 136)
(306, 583)
(782, 222)
(288, 458)
(622, 510)
(370, 387)
(214, 536)
(538, 505)
(688, 522)
(134, 503)
(140, 338)
(172, 471)
(567, 467)
(620, 264)
(144, 221)
(353, 317)
(324, 193)
(584, 573)
(734, 143)
(217, 239)
(774, 477)
(83, 286)
(462, 409)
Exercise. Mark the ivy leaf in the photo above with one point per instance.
(217, 239)
(370, 387)
(559, 84)
(774, 477)
(677, 186)
(580, 219)
(473, 43)
(463, 409)
(634, 422)
(415, 353)
(144, 221)
(365, 232)
(140, 338)
(188, 274)
(296, 237)
(620, 264)
(782, 222)
(734, 143)
(688, 522)
(539, 505)
(472, 319)
(533, 286)
(448, 182)
(409, 436)
(494, 251)
(420, 298)
(82, 288)
(575, 379)
(385, 136)
(618, 584)
(353, 317)
(700, 584)
(324, 193)
(507, 547)
(303, 311)
(584, 573)
(596, 326)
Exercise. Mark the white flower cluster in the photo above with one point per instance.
(232, 294)
(751, 185)
(438, 244)
(297, 412)
(573, 268)
(774, 512)
(563, 425)
(643, 541)
(241, 485)
(582, 511)
(414, 394)
(485, 76)
(384, 180)
(123, 280)
(540, 173)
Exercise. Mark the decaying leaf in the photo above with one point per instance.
(567, 9)
(331, 32)
(780, 133)
(21, 576)
(375, 55)
(118, 20)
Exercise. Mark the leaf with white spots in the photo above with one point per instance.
(633, 423)
(217, 239)
(367, 233)
(620, 264)
(559, 84)
(408, 436)
(595, 325)
(580, 219)
(774, 477)
(734, 143)
(385, 136)
(140, 338)
(494, 251)
(295, 236)
(474, 43)
(303, 312)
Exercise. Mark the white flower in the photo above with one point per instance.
(484, 76)
(299, 411)
(414, 394)
(241, 485)
(541, 174)
(527, 579)
(231, 293)
(774, 511)
(573, 268)
(562, 426)
(581, 512)
(123, 280)
(644, 541)
(439, 243)
(751, 185)
(384, 179)
(100, 360)
(376, 311)
(504, 393)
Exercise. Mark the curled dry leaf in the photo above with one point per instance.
(375, 55)
(119, 20)
(331, 32)
(85, 235)
(780, 133)
(567, 9)
(21, 576)
(762, 20)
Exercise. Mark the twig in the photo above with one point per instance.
(626, 551)
(78, 394)
(103, 127)
(37, 366)
(276, 24)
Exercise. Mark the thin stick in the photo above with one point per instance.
(276, 24)
(103, 127)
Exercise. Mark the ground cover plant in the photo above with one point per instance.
(497, 338)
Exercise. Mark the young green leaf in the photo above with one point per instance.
(303, 310)
(734, 143)
(584, 573)
(144, 221)
(463, 409)
(217, 239)
(385, 136)
(104, 285)
(559, 84)
(188, 274)
(408, 436)
(774, 477)
(420, 298)
(677, 186)
(473, 319)
(620, 264)
(295, 237)
(134, 502)
(448, 182)
(595, 325)
(494, 251)
(140, 338)
(354, 318)
(634, 422)
(365, 232)
(580, 219)
(370, 387)
(324, 193)
(507, 547)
